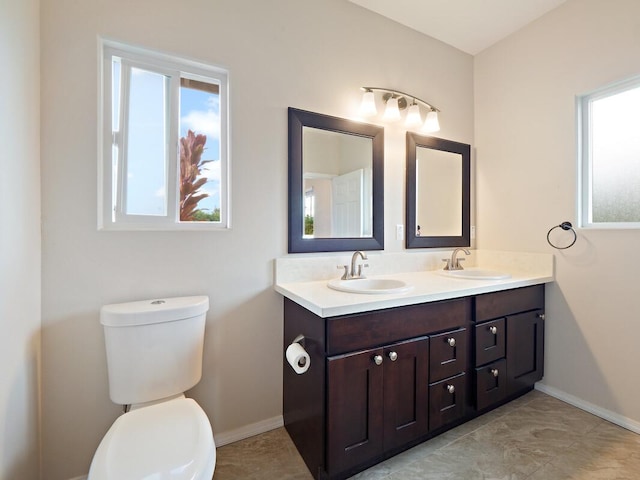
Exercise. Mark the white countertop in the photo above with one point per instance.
(428, 285)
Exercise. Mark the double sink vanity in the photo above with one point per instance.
(394, 354)
(416, 351)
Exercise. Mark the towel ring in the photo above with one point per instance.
(563, 226)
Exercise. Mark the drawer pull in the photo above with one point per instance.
(494, 330)
(378, 359)
(393, 356)
(451, 342)
(451, 389)
(494, 372)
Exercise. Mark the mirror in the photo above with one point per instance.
(336, 184)
(438, 192)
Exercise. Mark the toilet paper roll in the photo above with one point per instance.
(298, 358)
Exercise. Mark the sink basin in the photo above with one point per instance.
(475, 274)
(370, 285)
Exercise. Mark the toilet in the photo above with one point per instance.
(154, 354)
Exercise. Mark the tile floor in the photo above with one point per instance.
(535, 437)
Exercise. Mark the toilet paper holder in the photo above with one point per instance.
(297, 355)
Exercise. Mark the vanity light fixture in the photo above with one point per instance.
(368, 105)
(413, 115)
(431, 124)
(392, 112)
(396, 101)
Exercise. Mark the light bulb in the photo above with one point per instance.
(392, 112)
(368, 105)
(431, 124)
(413, 116)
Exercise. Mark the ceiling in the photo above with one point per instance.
(469, 25)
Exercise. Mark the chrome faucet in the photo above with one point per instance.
(453, 263)
(351, 274)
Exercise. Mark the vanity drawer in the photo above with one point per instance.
(507, 302)
(447, 401)
(490, 341)
(447, 354)
(347, 333)
(491, 384)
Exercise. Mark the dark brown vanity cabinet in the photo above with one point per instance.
(509, 338)
(382, 381)
(525, 350)
(376, 401)
(447, 377)
(491, 372)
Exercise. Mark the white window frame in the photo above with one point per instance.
(115, 218)
(585, 160)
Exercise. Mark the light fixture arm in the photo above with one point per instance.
(401, 94)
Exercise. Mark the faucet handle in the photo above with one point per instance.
(456, 265)
(448, 263)
(345, 276)
(366, 265)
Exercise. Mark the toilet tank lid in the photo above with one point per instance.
(159, 310)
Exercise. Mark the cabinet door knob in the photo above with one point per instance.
(393, 356)
(494, 372)
(541, 316)
(378, 359)
(451, 388)
(451, 342)
(493, 329)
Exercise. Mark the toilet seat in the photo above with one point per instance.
(169, 440)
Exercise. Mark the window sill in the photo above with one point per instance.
(176, 227)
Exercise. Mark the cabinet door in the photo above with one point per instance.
(525, 350)
(490, 341)
(447, 400)
(354, 409)
(491, 384)
(448, 354)
(406, 370)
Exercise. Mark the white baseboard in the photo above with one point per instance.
(608, 415)
(263, 426)
(247, 431)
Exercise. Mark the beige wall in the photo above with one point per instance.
(308, 54)
(19, 239)
(525, 89)
(280, 54)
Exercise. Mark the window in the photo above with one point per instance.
(164, 152)
(610, 156)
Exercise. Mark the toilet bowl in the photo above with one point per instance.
(154, 354)
(168, 440)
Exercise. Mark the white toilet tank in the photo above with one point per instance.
(154, 347)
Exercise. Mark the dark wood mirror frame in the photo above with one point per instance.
(297, 244)
(412, 240)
